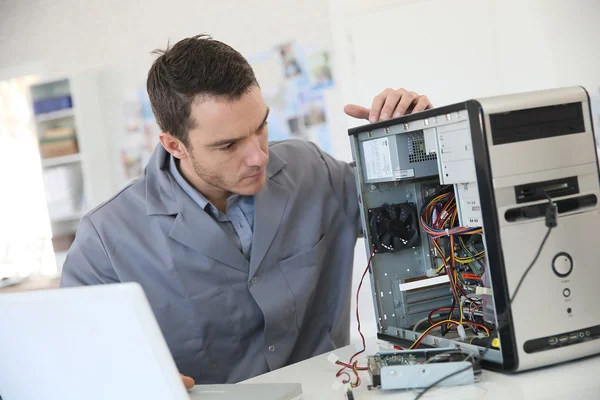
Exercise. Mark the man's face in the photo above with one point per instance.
(228, 146)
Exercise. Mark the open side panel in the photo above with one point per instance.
(415, 169)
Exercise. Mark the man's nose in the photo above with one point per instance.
(256, 157)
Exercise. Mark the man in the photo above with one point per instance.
(244, 248)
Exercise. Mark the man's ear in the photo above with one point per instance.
(172, 145)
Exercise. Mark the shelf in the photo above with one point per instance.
(63, 160)
(54, 115)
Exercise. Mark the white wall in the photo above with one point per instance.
(467, 48)
(67, 37)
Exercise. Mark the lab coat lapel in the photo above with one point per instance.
(193, 227)
(196, 229)
(269, 207)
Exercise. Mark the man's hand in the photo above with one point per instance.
(187, 381)
(390, 104)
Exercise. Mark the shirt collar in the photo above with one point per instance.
(195, 194)
(187, 188)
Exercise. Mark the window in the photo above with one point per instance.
(25, 234)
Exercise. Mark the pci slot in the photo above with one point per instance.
(417, 304)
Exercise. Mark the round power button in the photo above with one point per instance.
(567, 292)
(562, 264)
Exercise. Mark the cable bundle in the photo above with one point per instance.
(439, 218)
(439, 214)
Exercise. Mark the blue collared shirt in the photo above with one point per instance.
(237, 221)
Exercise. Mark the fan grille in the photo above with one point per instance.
(394, 227)
(416, 148)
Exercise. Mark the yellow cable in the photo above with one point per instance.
(460, 308)
(446, 321)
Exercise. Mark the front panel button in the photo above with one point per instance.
(562, 264)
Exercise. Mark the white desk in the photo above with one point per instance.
(569, 381)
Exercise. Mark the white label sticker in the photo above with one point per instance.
(404, 173)
(377, 159)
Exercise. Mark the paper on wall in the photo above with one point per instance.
(377, 159)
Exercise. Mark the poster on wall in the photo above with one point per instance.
(141, 135)
(130, 152)
(294, 80)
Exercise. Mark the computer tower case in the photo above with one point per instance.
(454, 206)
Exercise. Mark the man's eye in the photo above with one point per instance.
(226, 148)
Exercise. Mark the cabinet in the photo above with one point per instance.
(74, 149)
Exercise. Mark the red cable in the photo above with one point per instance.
(351, 364)
(357, 314)
(430, 318)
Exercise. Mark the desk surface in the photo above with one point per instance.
(33, 283)
(573, 380)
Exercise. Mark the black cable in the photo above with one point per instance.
(551, 217)
(532, 263)
(349, 395)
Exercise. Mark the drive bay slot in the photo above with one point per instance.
(539, 210)
(554, 188)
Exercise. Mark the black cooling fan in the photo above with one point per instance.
(394, 227)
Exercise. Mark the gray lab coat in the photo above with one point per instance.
(226, 319)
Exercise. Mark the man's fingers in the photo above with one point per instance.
(377, 105)
(357, 111)
(406, 101)
(422, 104)
(390, 104)
(187, 381)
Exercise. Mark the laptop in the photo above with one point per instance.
(97, 343)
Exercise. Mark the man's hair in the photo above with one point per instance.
(194, 68)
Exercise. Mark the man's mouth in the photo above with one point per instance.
(256, 175)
